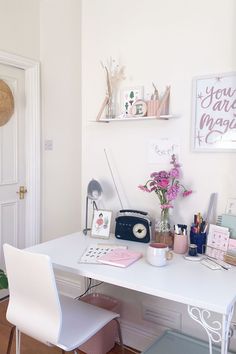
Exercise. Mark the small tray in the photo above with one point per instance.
(228, 258)
(177, 343)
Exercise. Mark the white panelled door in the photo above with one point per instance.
(12, 163)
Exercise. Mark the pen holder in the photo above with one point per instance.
(198, 239)
(180, 244)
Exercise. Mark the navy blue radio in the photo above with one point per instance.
(133, 225)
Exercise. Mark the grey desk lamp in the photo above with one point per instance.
(94, 192)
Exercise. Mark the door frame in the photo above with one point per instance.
(32, 142)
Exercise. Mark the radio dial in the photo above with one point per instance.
(139, 231)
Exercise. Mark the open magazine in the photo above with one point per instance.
(95, 251)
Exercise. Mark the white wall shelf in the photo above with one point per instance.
(128, 119)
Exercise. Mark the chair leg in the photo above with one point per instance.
(18, 335)
(10, 340)
(120, 335)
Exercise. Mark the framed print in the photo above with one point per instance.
(101, 223)
(128, 97)
(217, 241)
(214, 113)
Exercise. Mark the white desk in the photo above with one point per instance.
(190, 283)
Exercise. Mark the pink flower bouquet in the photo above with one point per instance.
(166, 185)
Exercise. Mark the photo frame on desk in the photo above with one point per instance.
(101, 224)
(217, 241)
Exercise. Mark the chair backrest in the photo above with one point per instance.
(34, 306)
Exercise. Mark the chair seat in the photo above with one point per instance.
(80, 321)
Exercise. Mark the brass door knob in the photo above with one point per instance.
(21, 192)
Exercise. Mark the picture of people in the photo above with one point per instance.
(101, 223)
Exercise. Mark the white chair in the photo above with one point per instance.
(36, 308)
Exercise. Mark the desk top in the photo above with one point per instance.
(183, 281)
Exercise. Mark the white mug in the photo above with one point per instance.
(158, 254)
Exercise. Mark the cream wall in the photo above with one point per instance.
(61, 116)
(19, 27)
(168, 42)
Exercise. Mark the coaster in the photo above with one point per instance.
(193, 258)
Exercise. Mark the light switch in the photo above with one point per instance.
(48, 145)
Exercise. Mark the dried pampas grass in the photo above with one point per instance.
(114, 75)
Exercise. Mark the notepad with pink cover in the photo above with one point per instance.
(120, 257)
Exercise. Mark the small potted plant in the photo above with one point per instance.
(3, 280)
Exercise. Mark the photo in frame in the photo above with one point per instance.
(128, 97)
(101, 223)
(217, 241)
(214, 111)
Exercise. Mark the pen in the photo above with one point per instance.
(199, 225)
(219, 263)
(202, 226)
(205, 228)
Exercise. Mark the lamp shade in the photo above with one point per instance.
(94, 190)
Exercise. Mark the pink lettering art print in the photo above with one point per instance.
(214, 112)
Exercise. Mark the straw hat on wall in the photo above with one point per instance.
(6, 103)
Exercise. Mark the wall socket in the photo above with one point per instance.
(48, 145)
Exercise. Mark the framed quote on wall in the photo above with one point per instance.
(214, 113)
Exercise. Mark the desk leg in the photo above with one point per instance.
(226, 320)
(217, 332)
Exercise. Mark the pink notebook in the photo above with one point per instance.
(120, 257)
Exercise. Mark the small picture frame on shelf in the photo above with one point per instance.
(139, 108)
(128, 97)
(101, 224)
